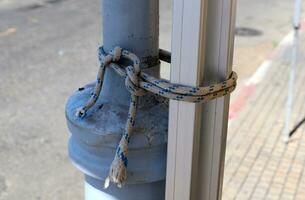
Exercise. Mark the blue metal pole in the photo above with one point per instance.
(132, 25)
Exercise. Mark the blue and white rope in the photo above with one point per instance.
(138, 83)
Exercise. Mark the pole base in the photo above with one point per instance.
(149, 191)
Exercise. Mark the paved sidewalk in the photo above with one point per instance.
(258, 164)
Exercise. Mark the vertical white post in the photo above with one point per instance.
(293, 66)
(297, 14)
(202, 50)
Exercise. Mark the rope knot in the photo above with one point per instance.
(107, 60)
(116, 54)
(137, 83)
(133, 72)
(113, 56)
(132, 82)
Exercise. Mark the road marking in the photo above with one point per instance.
(8, 31)
(250, 86)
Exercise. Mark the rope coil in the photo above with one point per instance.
(138, 83)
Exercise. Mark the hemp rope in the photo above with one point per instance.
(138, 83)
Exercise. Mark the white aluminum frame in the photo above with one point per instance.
(293, 68)
(202, 51)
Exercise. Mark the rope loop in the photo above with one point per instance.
(116, 54)
(132, 82)
(138, 84)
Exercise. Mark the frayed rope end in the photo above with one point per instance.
(117, 174)
(107, 182)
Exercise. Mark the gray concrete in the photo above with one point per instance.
(259, 165)
(273, 18)
(52, 52)
(46, 53)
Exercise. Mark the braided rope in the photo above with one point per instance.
(138, 83)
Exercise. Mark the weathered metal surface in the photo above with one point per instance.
(132, 25)
(95, 137)
(133, 191)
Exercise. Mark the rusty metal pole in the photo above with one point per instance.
(134, 26)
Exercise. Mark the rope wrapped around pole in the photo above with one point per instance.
(138, 83)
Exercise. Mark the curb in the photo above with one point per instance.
(249, 87)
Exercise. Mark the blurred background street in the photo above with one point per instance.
(48, 49)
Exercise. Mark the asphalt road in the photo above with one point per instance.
(272, 19)
(47, 50)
